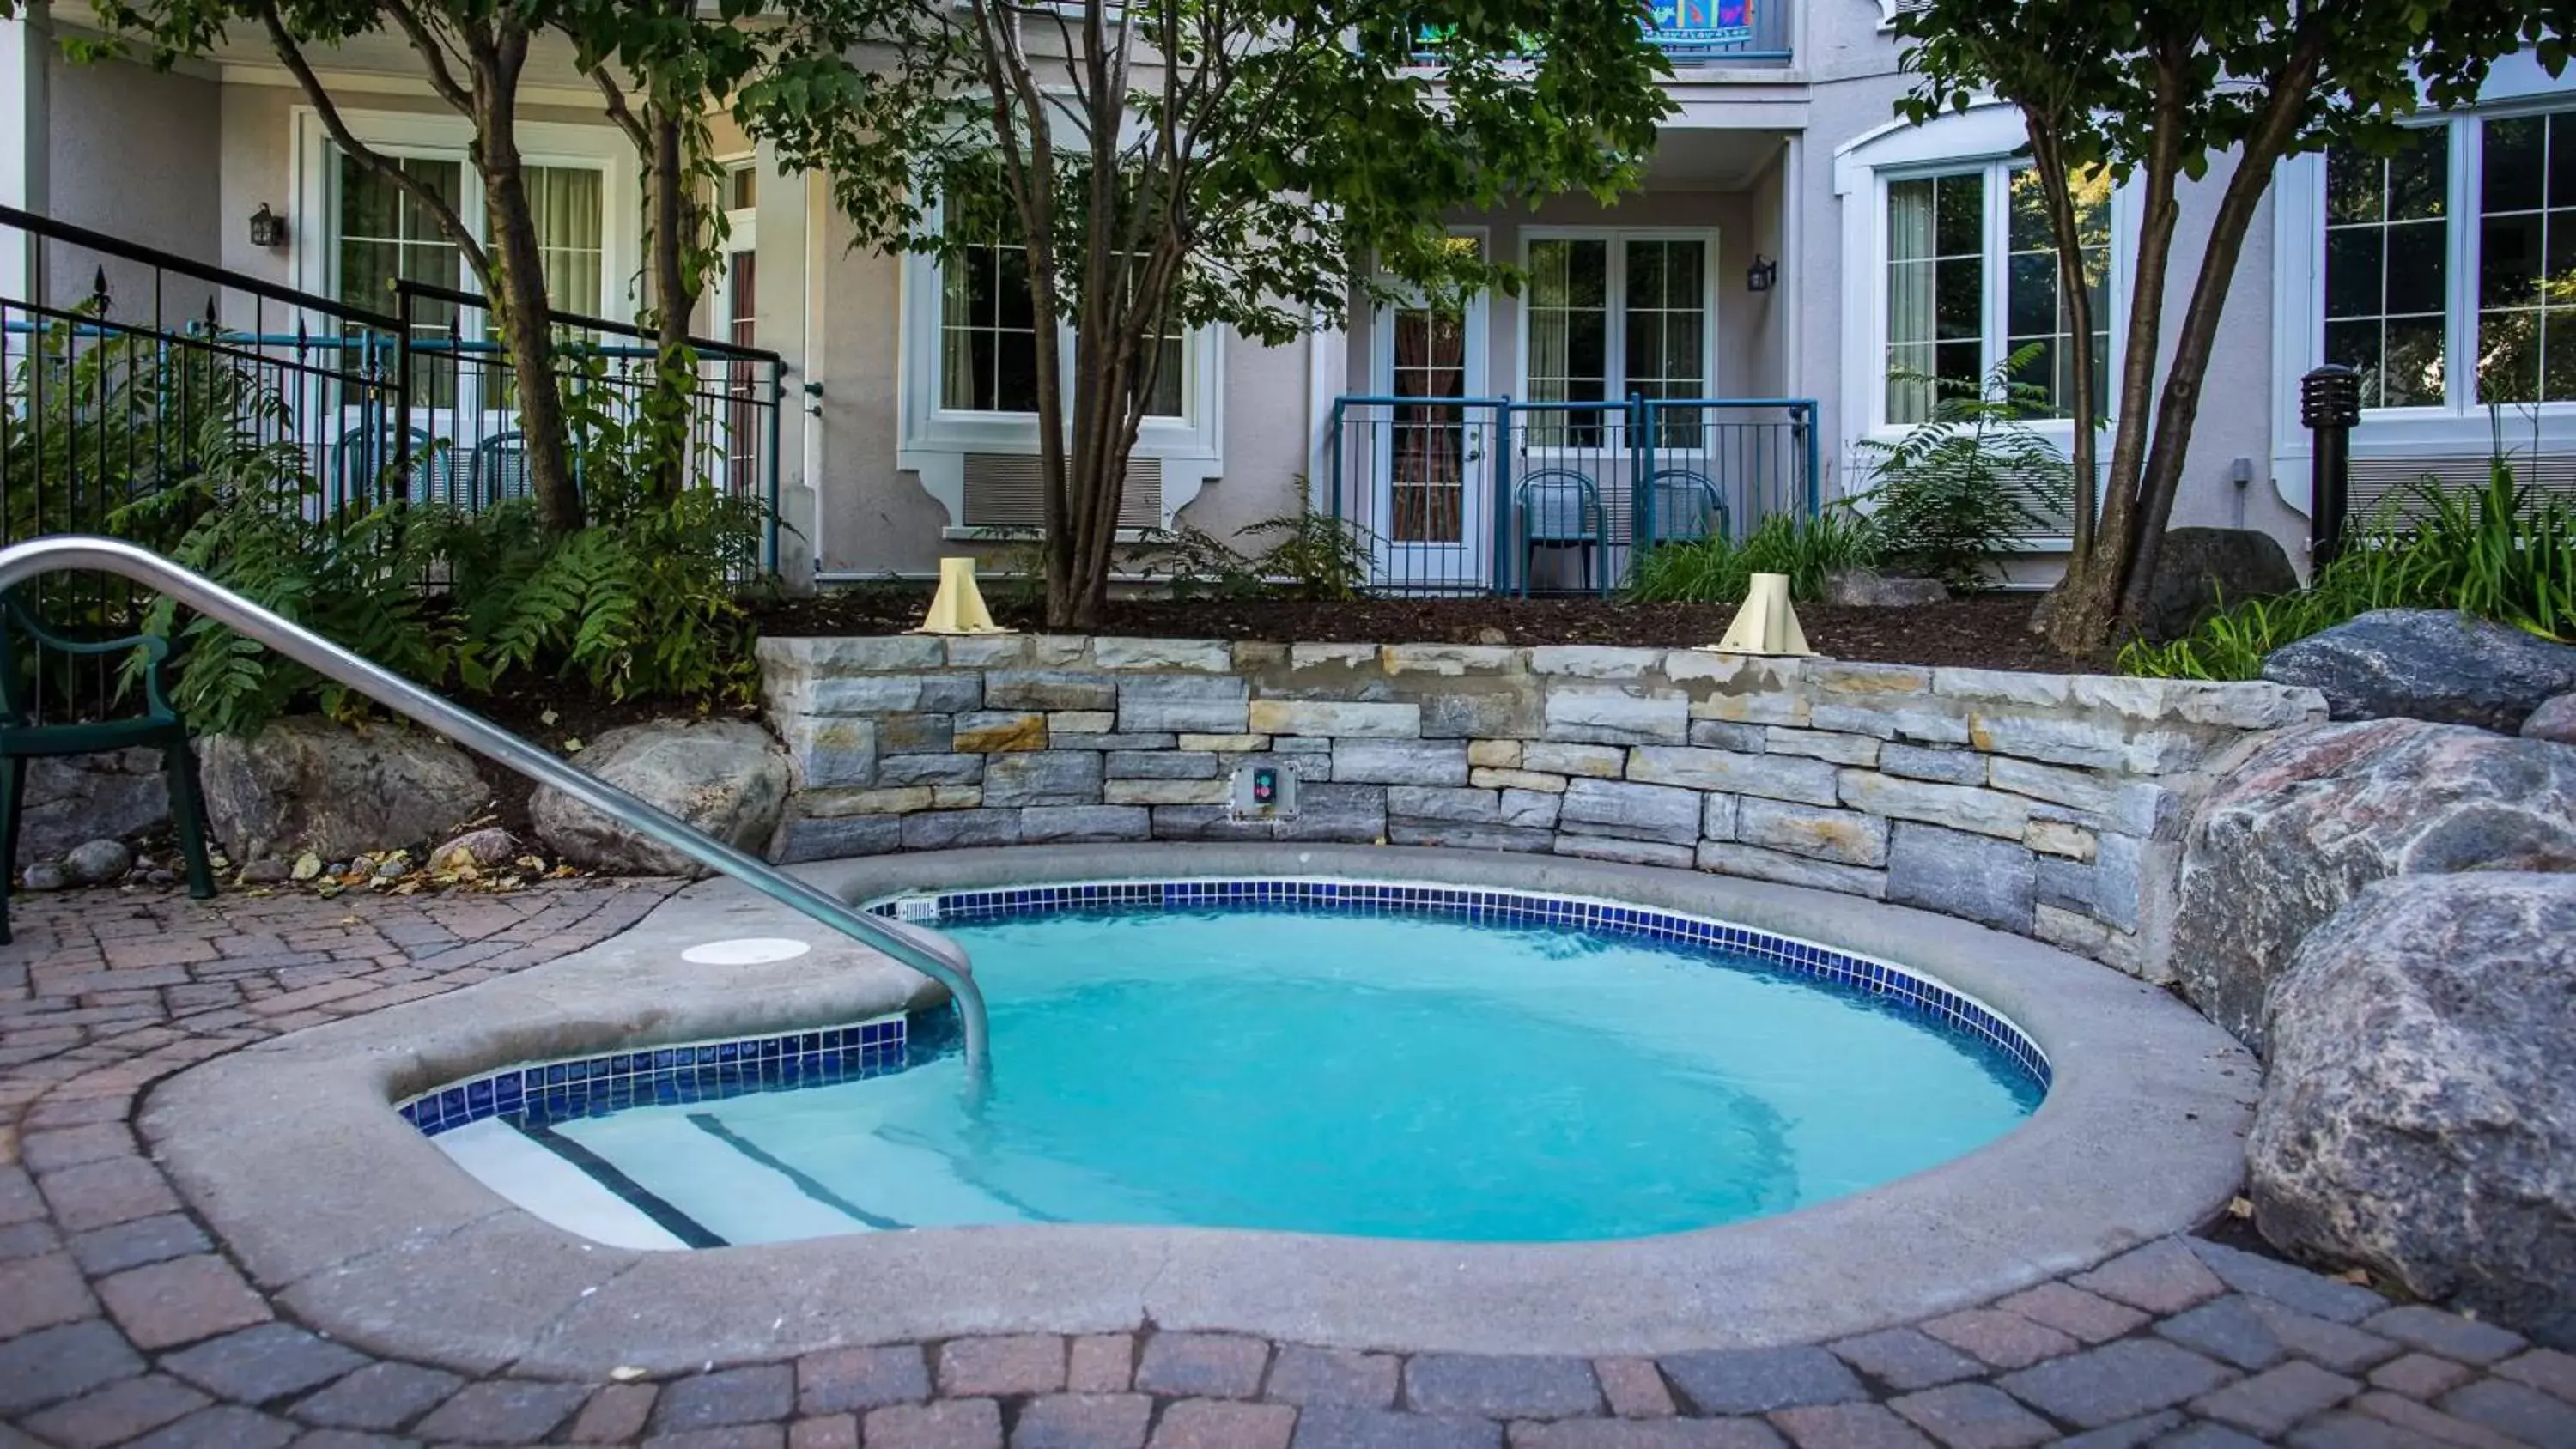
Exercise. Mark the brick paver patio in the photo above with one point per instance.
(121, 1322)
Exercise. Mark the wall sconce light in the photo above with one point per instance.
(1761, 276)
(267, 228)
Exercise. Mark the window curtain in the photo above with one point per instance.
(565, 202)
(1551, 353)
(956, 331)
(1910, 317)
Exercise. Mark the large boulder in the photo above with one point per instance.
(306, 783)
(2427, 664)
(72, 799)
(2418, 1115)
(726, 777)
(2199, 570)
(2313, 814)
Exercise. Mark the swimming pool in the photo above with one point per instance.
(1334, 1057)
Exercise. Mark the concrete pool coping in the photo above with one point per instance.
(368, 1232)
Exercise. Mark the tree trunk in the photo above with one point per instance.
(2083, 612)
(675, 301)
(2179, 408)
(518, 303)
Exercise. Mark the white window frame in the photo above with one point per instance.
(1990, 136)
(934, 440)
(2517, 86)
(1615, 295)
(430, 136)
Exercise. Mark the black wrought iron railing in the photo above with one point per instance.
(1462, 495)
(125, 368)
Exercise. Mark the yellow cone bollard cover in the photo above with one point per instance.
(958, 607)
(1767, 624)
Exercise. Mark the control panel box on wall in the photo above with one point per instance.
(1263, 790)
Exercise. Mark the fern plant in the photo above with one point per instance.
(644, 600)
(1955, 491)
(252, 518)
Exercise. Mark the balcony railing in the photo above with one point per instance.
(1720, 32)
(1694, 33)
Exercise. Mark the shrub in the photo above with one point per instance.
(643, 601)
(1718, 570)
(2498, 552)
(1955, 491)
(1316, 556)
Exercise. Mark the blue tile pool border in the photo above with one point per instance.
(538, 1094)
(1941, 1006)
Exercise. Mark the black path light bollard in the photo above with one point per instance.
(2329, 407)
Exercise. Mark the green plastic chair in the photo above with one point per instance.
(22, 739)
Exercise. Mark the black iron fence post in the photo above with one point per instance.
(2329, 407)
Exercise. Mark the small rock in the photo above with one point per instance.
(1870, 589)
(162, 878)
(2554, 721)
(268, 872)
(308, 865)
(339, 867)
(1490, 635)
(486, 847)
(44, 875)
(2428, 664)
(98, 862)
(393, 869)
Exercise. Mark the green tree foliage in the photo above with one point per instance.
(1175, 164)
(2163, 91)
(472, 54)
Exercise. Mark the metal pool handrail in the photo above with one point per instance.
(20, 562)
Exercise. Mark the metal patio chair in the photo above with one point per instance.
(1558, 508)
(23, 737)
(1684, 507)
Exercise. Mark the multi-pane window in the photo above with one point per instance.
(2527, 260)
(1610, 317)
(2035, 313)
(1667, 318)
(2449, 265)
(988, 353)
(988, 341)
(1936, 288)
(1972, 282)
(1428, 474)
(386, 235)
(2387, 268)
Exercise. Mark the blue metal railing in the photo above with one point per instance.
(1468, 495)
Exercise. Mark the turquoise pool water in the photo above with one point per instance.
(1391, 1076)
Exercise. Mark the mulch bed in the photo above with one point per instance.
(1990, 631)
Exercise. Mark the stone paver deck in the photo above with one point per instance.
(121, 1322)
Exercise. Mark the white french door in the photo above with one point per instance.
(1434, 459)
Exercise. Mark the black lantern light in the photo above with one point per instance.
(1762, 275)
(267, 228)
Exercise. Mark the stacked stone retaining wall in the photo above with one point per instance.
(2047, 805)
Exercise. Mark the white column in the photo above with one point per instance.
(26, 44)
(1328, 369)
